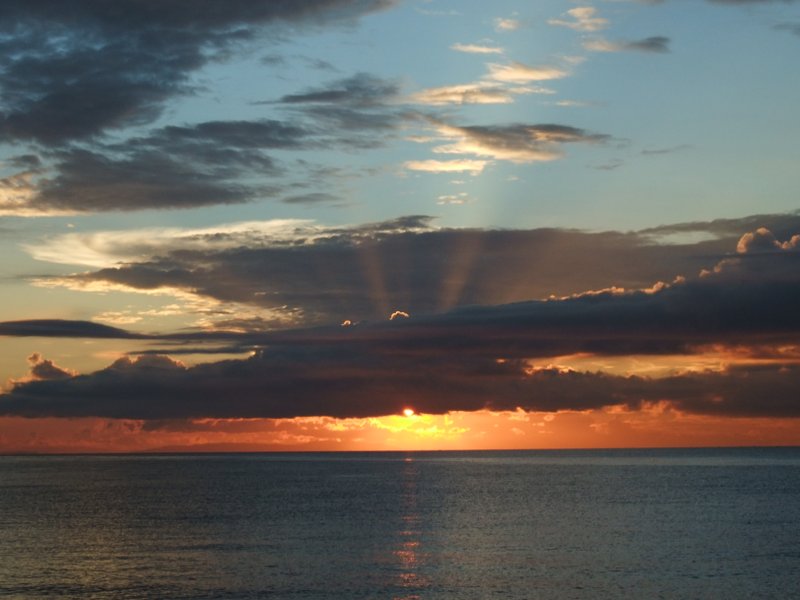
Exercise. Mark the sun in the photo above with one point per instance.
(409, 412)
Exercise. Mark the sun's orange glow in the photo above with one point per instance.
(409, 412)
(654, 425)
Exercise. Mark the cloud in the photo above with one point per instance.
(516, 72)
(656, 44)
(364, 272)
(517, 143)
(343, 381)
(506, 24)
(472, 93)
(72, 72)
(171, 167)
(498, 86)
(43, 369)
(312, 198)
(456, 199)
(477, 48)
(789, 26)
(207, 163)
(351, 111)
(63, 328)
(473, 167)
(495, 357)
(668, 150)
(360, 90)
(91, 181)
(581, 18)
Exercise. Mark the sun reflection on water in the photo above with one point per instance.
(408, 551)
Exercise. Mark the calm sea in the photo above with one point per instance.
(512, 525)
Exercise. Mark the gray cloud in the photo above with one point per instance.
(63, 328)
(71, 72)
(312, 198)
(141, 179)
(657, 44)
(351, 110)
(470, 358)
(368, 272)
(516, 142)
(172, 167)
(43, 369)
(212, 162)
(25, 161)
(360, 90)
(327, 382)
(790, 27)
(350, 276)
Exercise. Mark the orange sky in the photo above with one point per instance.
(655, 426)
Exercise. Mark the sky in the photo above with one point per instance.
(261, 225)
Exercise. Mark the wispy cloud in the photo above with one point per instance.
(483, 92)
(518, 143)
(516, 72)
(656, 44)
(477, 49)
(581, 18)
(447, 166)
(791, 27)
(507, 24)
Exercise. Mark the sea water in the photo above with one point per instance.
(715, 523)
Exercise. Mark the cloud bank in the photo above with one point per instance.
(496, 357)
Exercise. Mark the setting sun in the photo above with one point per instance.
(409, 412)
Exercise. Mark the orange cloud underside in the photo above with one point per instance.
(655, 426)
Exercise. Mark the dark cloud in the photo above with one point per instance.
(361, 90)
(519, 135)
(43, 369)
(63, 328)
(25, 161)
(71, 71)
(311, 63)
(172, 167)
(516, 142)
(369, 271)
(327, 382)
(790, 27)
(658, 43)
(312, 198)
(783, 226)
(472, 357)
(207, 163)
(93, 181)
(351, 110)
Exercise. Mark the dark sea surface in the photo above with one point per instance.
(714, 523)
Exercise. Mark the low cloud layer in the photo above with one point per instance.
(324, 381)
(366, 272)
(470, 358)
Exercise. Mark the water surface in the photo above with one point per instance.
(477, 525)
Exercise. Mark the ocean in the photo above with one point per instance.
(708, 523)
